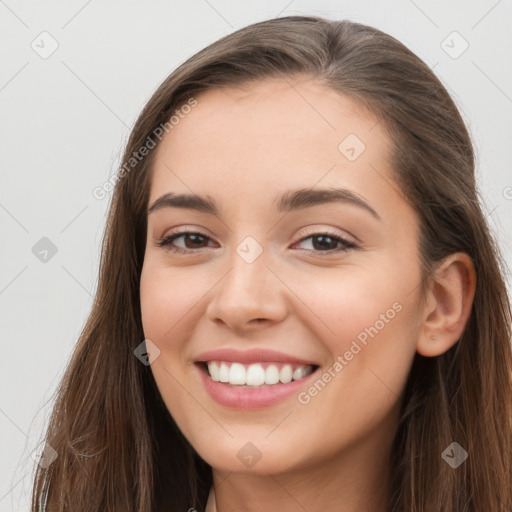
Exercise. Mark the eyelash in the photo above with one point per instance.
(166, 241)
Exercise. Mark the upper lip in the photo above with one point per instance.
(255, 355)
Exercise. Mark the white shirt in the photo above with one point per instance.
(211, 505)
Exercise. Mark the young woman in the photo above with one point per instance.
(300, 304)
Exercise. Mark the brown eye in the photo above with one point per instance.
(327, 242)
(195, 240)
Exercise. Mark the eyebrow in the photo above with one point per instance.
(289, 201)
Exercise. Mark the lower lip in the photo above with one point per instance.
(246, 398)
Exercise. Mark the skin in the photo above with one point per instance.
(243, 147)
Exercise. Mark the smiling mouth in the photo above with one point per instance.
(255, 375)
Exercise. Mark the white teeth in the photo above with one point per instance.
(299, 373)
(237, 374)
(286, 374)
(254, 375)
(213, 368)
(271, 374)
(223, 372)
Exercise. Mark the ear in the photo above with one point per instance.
(447, 305)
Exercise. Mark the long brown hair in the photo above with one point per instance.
(118, 447)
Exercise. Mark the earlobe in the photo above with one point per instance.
(448, 305)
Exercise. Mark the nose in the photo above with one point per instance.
(249, 296)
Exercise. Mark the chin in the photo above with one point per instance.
(249, 457)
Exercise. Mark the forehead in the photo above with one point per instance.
(239, 144)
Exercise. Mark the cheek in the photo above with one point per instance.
(166, 305)
(371, 356)
(344, 304)
(167, 301)
(368, 323)
(170, 310)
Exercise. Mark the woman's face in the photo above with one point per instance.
(327, 280)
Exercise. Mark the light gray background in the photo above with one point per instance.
(66, 117)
